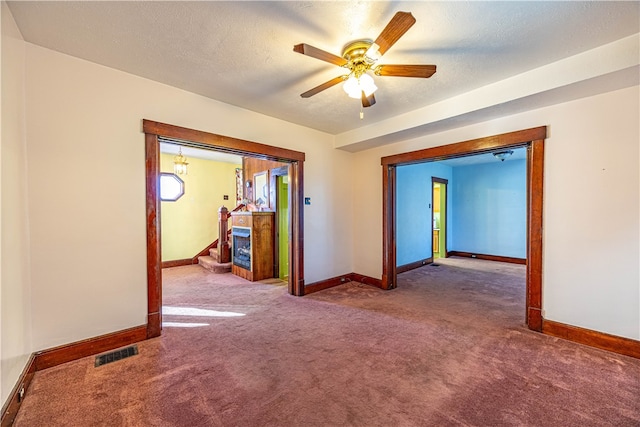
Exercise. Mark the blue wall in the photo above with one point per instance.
(413, 211)
(489, 209)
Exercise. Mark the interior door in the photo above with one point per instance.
(439, 217)
(279, 202)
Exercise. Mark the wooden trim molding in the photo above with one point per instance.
(296, 229)
(77, 350)
(535, 189)
(240, 146)
(326, 284)
(12, 406)
(341, 280)
(601, 340)
(473, 146)
(413, 265)
(154, 251)
(177, 263)
(522, 261)
(389, 273)
(366, 280)
(533, 139)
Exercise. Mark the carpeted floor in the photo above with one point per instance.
(448, 347)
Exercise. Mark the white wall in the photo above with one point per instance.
(15, 306)
(88, 216)
(591, 207)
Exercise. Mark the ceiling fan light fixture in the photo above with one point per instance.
(359, 58)
(352, 87)
(367, 84)
(373, 53)
(501, 155)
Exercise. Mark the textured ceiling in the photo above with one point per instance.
(241, 52)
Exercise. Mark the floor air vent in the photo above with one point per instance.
(115, 355)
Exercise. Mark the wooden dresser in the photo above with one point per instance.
(253, 245)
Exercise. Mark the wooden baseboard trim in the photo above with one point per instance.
(178, 263)
(534, 319)
(601, 340)
(77, 350)
(339, 280)
(11, 407)
(325, 284)
(413, 265)
(366, 280)
(66, 353)
(522, 261)
(154, 325)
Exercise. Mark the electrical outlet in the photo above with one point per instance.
(473, 256)
(21, 394)
(343, 279)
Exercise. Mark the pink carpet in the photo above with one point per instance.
(447, 348)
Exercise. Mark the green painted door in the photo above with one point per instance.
(443, 221)
(282, 207)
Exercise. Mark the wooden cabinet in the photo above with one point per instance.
(253, 245)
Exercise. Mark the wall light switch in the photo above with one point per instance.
(225, 197)
(307, 200)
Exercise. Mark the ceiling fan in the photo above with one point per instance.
(359, 58)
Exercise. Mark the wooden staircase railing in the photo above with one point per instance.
(214, 244)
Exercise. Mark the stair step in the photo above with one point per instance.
(213, 253)
(214, 266)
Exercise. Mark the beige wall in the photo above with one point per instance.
(74, 263)
(88, 242)
(591, 207)
(190, 224)
(15, 304)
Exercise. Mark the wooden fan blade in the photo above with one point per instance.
(424, 71)
(320, 54)
(399, 24)
(368, 101)
(323, 86)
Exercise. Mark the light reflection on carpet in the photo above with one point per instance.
(193, 311)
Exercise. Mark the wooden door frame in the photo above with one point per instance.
(446, 223)
(533, 139)
(153, 132)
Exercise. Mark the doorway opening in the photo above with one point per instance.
(533, 139)
(279, 184)
(155, 133)
(282, 239)
(439, 217)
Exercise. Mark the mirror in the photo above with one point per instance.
(260, 189)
